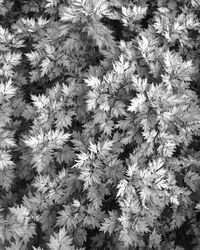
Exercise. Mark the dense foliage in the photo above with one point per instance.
(99, 124)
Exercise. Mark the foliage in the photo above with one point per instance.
(99, 124)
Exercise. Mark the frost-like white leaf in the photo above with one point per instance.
(132, 169)
(12, 59)
(93, 148)
(122, 188)
(61, 241)
(45, 66)
(93, 82)
(68, 14)
(51, 3)
(139, 83)
(107, 146)
(7, 90)
(82, 158)
(156, 164)
(34, 57)
(5, 160)
(52, 139)
(198, 206)
(137, 103)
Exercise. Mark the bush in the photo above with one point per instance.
(99, 124)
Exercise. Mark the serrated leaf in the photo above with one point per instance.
(154, 239)
(122, 188)
(93, 148)
(45, 65)
(7, 90)
(109, 223)
(61, 241)
(5, 160)
(137, 103)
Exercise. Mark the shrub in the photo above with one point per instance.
(99, 124)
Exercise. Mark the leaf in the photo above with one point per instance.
(135, 207)
(142, 226)
(121, 65)
(90, 177)
(3, 10)
(80, 236)
(21, 213)
(179, 248)
(42, 183)
(82, 158)
(133, 13)
(154, 239)
(119, 109)
(40, 101)
(100, 34)
(34, 57)
(54, 139)
(42, 21)
(93, 148)
(177, 220)
(12, 59)
(106, 147)
(61, 241)
(45, 66)
(66, 218)
(198, 206)
(139, 83)
(80, 3)
(167, 149)
(122, 186)
(63, 120)
(107, 127)
(109, 223)
(51, 3)
(137, 103)
(92, 100)
(93, 82)
(132, 169)
(195, 3)
(143, 44)
(68, 14)
(5, 160)
(37, 248)
(192, 179)
(101, 8)
(16, 245)
(67, 89)
(156, 164)
(7, 90)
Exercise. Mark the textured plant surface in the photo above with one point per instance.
(99, 124)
